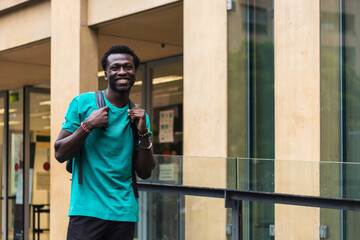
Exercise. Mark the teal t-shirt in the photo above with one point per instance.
(106, 191)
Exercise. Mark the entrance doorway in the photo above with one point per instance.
(25, 144)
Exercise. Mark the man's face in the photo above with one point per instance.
(120, 72)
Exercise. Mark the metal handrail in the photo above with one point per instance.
(238, 195)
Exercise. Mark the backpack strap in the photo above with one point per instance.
(100, 102)
(134, 155)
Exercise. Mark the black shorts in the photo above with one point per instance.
(89, 228)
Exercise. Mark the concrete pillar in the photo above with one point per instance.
(205, 114)
(74, 66)
(297, 114)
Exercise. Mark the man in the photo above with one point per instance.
(103, 205)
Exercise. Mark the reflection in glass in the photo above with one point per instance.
(167, 108)
(169, 170)
(340, 108)
(167, 138)
(351, 105)
(2, 179)
(330, 178)
(15, 204)
(251, 102)
(165, 223)
(39, 172)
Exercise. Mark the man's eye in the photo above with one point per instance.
(114, 69)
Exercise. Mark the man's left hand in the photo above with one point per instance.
(138, 115)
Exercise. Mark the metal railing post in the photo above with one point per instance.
(236, 223)
(237, 227)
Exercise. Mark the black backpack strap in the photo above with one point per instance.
(134, 155)
(80, 178)
(100, 102)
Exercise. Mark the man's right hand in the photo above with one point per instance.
(97, 119)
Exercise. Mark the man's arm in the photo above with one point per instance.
(68, 144)
(144, 160)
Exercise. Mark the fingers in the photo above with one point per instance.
(135, 113)
(131, 115)
(138, 115)
(106, 108)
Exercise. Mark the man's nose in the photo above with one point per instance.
(121, 71)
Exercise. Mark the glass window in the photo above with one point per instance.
(251, 103)
(39, 170)
(167, 108)
(38, 160)
(2, 163)
(340, 106)
(15, 204)
(167, 125)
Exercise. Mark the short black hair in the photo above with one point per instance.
(119, 49)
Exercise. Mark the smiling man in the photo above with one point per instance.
(101, 142)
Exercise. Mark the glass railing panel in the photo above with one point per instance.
(161, 216)
(177, 217)
(168, 169)
(194, 171)
(309, 178)
(339, 224)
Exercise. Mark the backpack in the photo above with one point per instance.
(100, 102)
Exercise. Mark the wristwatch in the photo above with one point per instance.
(145, 148)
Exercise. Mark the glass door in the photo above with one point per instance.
(38, 135)
(167, 106)
(15, 205)
(166, 114)
(25, 154)
(3, 171)
(25, 148)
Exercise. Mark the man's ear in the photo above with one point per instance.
(105, 75)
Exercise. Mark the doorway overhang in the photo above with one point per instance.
(26, 65)
(153, 34)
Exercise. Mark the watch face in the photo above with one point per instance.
(148, 147)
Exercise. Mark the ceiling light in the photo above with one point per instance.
(11, 110)
(166, 79)
(45, 103)
(160, 80)
(10, 123)
(101, 74)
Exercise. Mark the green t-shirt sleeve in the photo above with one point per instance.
(72, 117)
(148, 125)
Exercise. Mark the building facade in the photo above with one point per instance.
(271, 84)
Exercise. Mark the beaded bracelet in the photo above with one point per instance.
(85, 128)
(143, 135)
